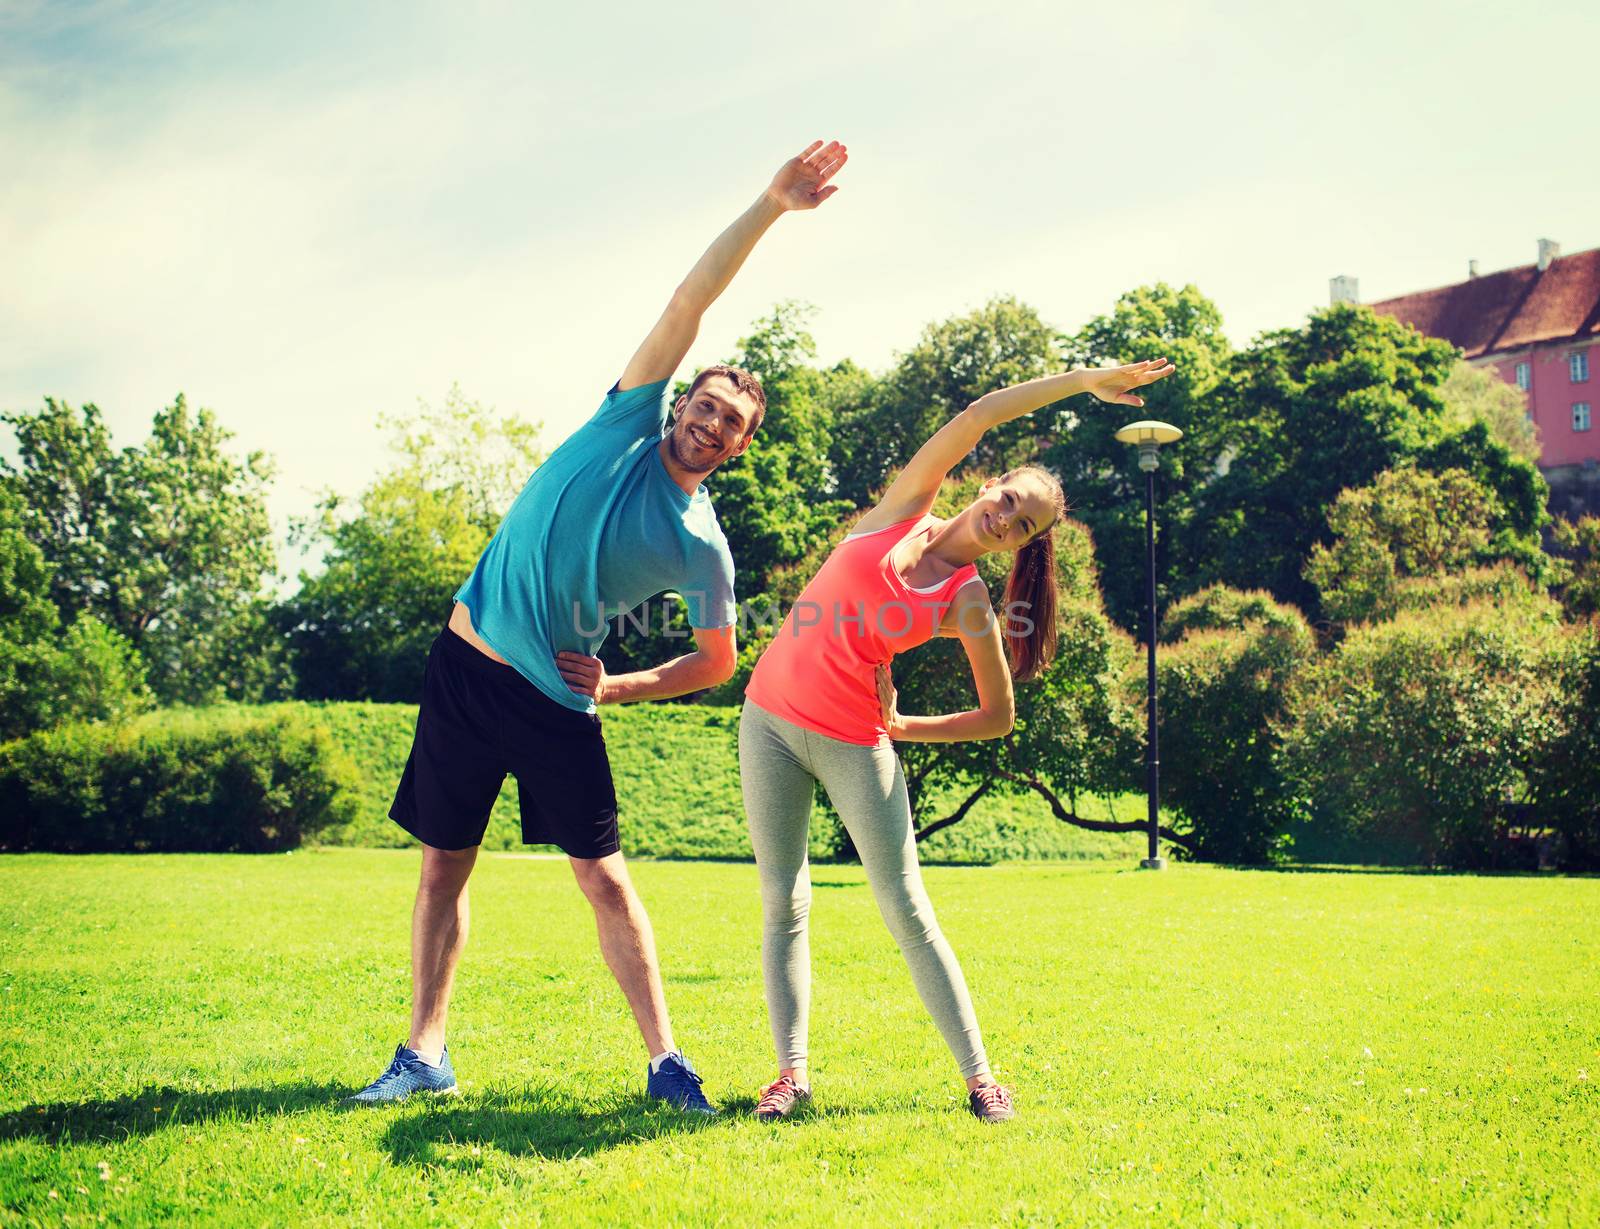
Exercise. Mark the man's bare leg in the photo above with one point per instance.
(628, 944)
(438, 937)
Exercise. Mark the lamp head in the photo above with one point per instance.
(1149, 435)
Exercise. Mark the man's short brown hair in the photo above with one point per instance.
(741, 380)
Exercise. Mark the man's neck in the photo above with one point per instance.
(687, 479)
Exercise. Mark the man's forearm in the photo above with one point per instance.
(718, 264)
(678, 677)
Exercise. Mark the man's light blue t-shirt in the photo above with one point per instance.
(600, 524)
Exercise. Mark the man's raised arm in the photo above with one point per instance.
(801, 183)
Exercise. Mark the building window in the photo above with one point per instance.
(1578, 365)
(1524, 377)
(1580, 415)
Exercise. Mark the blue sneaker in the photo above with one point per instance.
(678, 1084)
(408, 1074)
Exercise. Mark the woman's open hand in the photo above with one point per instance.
(1116, 384)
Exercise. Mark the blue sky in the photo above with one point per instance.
(304, 215)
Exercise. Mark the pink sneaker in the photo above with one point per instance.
(991, 1103)
(780, 1098)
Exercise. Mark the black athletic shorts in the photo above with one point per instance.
(480, 720)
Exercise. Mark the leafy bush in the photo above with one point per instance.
(95, 675)
(91, 673)
(1504, 584)
(1565, 780)
(1581, 592)
(1218, 606)
(1406, 743)
(217, 780)
(1408, 526)
(1221, 688)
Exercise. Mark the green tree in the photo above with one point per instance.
(169, 544)
(28, 621)
(67, 484)
(469, 448)
(1515, 482)
(91, 673)
(1475, 394)
(1405, 523)
(96, 675)
(954, 363)
(360, 627)
(1316, 410)
(1101, 475)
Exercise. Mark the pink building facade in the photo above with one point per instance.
(1562, 384)
(1538, 328)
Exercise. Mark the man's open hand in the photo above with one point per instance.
(802, 182)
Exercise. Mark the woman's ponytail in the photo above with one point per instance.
(1030, 603)
(1030, 609)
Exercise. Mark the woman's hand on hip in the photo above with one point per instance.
(888, 700)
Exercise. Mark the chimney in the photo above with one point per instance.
(1344, 289)
(1472, 268)
(1549, 250)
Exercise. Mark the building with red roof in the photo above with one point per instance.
(1538, 326)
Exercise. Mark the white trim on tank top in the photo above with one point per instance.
(933, 588)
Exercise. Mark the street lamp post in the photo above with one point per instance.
(1149, 436)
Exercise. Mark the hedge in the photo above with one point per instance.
(1415, 740)
(204, 780)
(1221, 690)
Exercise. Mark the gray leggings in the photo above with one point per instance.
(778, 763)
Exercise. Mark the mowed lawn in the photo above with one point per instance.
(1195, 1047)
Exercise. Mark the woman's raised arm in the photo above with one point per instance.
(912, 492)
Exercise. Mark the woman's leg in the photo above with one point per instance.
(869, 791)
(777, 803)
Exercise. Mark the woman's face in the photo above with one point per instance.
(1009, 512)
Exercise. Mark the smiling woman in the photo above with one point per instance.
(820, 707)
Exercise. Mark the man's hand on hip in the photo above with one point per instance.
(585, 675)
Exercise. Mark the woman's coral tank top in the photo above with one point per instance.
(820, 672)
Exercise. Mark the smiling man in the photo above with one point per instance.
(615, 516)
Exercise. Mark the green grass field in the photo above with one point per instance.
(1199, 1047)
